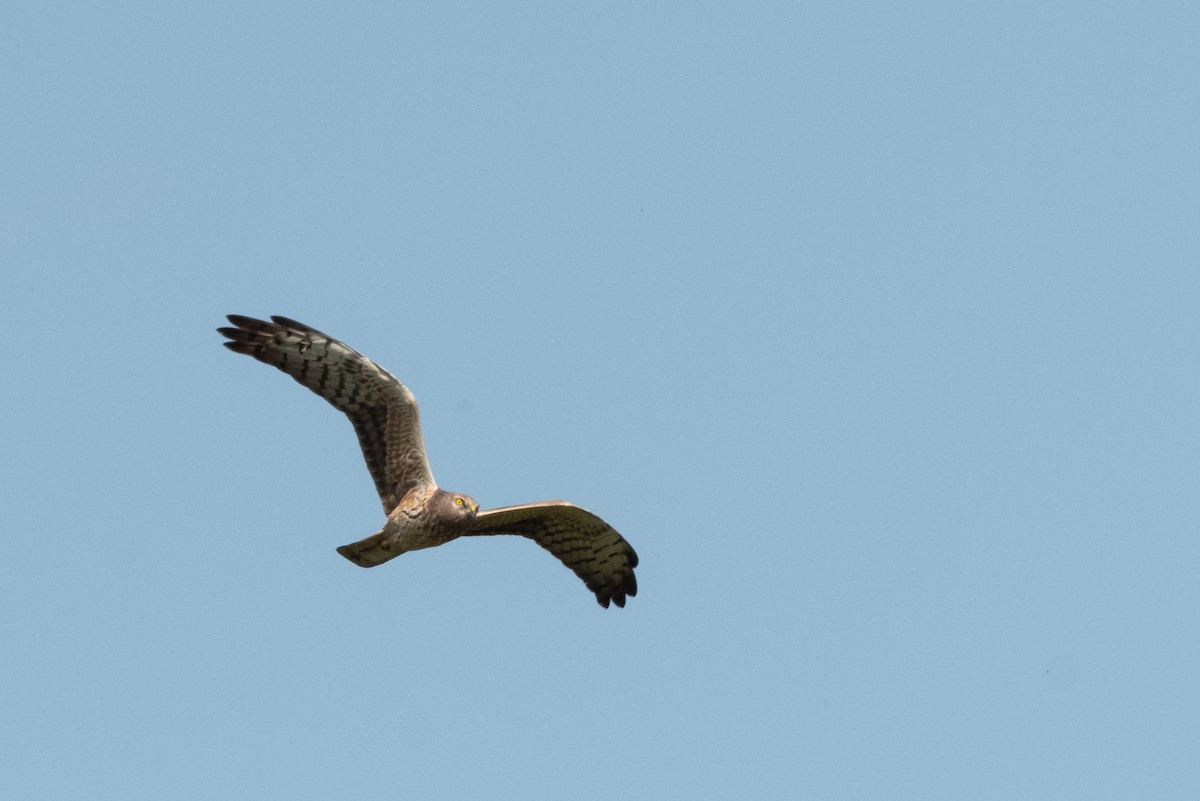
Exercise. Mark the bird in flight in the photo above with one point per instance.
(419, 513)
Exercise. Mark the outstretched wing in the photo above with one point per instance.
(581, 541)
(383, 411)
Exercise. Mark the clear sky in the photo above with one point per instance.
(872, 326)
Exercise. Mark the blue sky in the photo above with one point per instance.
(872, 326)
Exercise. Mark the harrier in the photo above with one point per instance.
(419, 513)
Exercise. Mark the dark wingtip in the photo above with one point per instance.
(619, 594)
(288, 322)
(241, 321)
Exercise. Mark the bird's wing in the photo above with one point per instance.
(581, 541)
(383, 411)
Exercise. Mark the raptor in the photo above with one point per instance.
(420, 514)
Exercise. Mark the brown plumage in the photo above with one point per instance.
(419, 514)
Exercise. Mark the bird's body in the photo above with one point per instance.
(407, 529)
(419, 513)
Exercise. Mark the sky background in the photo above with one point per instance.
(872, 326)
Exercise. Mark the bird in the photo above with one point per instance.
(420, 514)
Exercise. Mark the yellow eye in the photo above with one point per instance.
(458, 501)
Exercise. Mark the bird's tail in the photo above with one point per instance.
(372, 551)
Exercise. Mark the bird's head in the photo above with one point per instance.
(462, 505)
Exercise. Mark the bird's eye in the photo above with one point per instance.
(458, 501)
